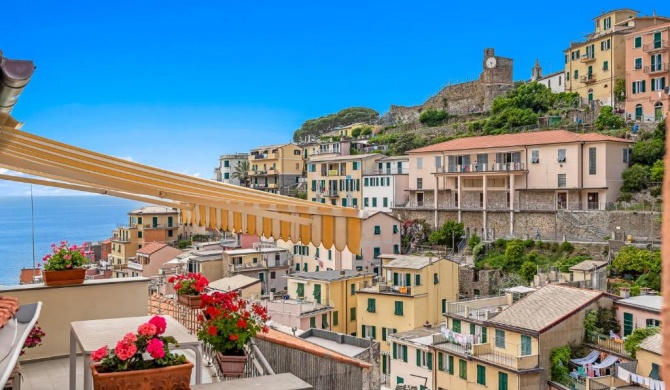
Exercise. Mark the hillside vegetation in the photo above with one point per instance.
(346, 117)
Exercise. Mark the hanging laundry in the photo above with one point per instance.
(623, 374)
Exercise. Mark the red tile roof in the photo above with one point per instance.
(546, 137)
(151, 247)
(277, 337)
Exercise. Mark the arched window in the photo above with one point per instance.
(638, 112)
(658, 111)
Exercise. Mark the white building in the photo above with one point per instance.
(387, 184)
(227, 164)
(554, 81)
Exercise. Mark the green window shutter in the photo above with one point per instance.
(481, 375)
(399, 380)
(451, 365)
(429, 357)
(304, 267)
(317, 293)
(261, 276)
(297, 267)
(301, 290)
(371, 305)
(378, 229)
(525, 345)
(643, 87)
(408, 280)
(383, 334)
(395, 350)
(398, 308)
(500, 338)
(384, 365)
(363, 334)
(352, 314)
(404, 353)
(440, 361)
(418, 358)
(502, 381)
(395, 229)
(627, 324)
(638, 42)
(462, 369)
(444, 306)
(457, 326)
(472, 328)
(484, 336)
(436, 280)
(353, 289)
(395, 278)
(312, 322)
(335, 319)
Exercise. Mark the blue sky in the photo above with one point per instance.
(177, 84)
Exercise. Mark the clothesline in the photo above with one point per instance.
(630, 377)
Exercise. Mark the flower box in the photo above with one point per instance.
(63, 278)
(173, 377)
(231, 366)
(192, 301)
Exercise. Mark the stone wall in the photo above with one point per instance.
(473, 219)
(526, 223)
(444, 216)
(485, 282)
(499, 223)
(471, 199)
(497, 200)
(536, 200)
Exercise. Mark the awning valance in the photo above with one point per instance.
(202, 202)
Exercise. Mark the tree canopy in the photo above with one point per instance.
(326, 123)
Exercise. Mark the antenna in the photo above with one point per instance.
(32, 218)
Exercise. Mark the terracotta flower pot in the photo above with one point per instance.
(172, 377)
(231, 366)
(63, 278)
(192, 301)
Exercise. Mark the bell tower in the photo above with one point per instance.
(536, 72)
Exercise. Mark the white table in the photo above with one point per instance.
(91, 335)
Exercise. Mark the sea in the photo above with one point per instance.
(76, 219)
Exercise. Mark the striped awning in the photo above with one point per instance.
(202, 202)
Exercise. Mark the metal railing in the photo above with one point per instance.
(588, 78)
(588, 57)
(482, 167)
(659, 67)
(654, 46)
(608, 343)
(387, 171)
(487, 352)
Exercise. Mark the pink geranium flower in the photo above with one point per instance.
(125, 351)
(99, 353)
(156, 348)
(147, 329)
(160, 324)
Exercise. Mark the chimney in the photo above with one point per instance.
(624, 292)
(426, 325)
(342, 273)
(645, 291)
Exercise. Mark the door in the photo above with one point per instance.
(388, 168)
(155, 222)
(562, 200)
(592, 198)
(658, 112)
(419, 199)
(627, 324)
(638, 112)
(399, 167)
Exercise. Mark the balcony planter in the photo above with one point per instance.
(231, 366)
(172, 377)
(64, 278)
(192, 301)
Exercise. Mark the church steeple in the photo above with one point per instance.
(536, 73)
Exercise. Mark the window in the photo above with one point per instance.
(300, 290)
(317, 293)
(500, 338)
(438, 161)
(607, 23)
(436, 280)
(657, 40)
(444, 306)
(502, 381)
(652, 322)
(567, 75)
(606, 65)
(576, 74)
(417, 280)
(226, 175)
(366, 182)
(561, 180)
(592, 161)
(525, 345)
(396, 249)
(226, 164)
(481, 375)
(456, 325)
(639, 86)
(296, 153)
(400, 352)
(273, 275)
(424, 359)
(398, 308)
(656, 62)
(419, 163)
(385, 202)
(378, 230)
(352, 314)
(304, 267)
(638, 42)
(312, 322)
(374, 202)
(625, 155)
(658, 84)
(419, 183)
(353, 289)
(535, 157)
(605, 45)
(561, 155)
(638, 63)
(399, 380)
(372, 305)
(395, 229)
(462, 369)
(369, 332)
(330, 254)
(366, 202)
(139, 234)
(355, 165)
(377, 252)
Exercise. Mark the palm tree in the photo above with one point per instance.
(241, 172)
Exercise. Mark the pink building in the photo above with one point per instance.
(638, 312)
(647, 73)
(151, 257)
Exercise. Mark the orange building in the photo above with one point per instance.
(648, 74)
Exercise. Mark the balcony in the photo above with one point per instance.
(588, 57)
(488, 353)
(264, 156)
(161, 226)
(387, 171)
(660, 67)
(388, 288)
(483, 167)
(135, 266)
(416, 205)
(588, 79)
(260, 265)
(45, 368)
(334, 172)
(273, 185)
(655, 46)
(607, 343)
(331, 193)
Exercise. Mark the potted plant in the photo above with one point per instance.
(228, 324)
(125, 366)
(64, 265)
(189, 287)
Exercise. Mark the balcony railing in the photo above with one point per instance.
(482, 167)
(260, 265)
(488, 353)
(607, 343)
(160, 225)
(660, 67)
(273, 185)
(388, 289)
(387, 171)
(588, 57)
(331, 193)
(135, 266)
(335, 172)
(655, 46)
(588, 78)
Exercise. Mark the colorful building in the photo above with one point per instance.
(276, 168)
(647, 73)
(335, 289)
(593, 66)
(385, 185)
(338, 180)
(227, 164)
(246, 286)
(148, 260)
(638, 312)
(265, 261)
(411, 293)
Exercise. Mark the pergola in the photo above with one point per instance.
(202, 202)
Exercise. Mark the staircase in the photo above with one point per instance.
(580, 222)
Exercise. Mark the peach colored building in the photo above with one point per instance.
(648, 74)
(638, 312)
(545, 170)
(151, 257)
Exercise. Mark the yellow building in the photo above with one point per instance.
(411, 293)
(336, 289)
(497, 342)
(276, 168)
(338, 179)
(649, 357)
(145, 225)
(593, 66)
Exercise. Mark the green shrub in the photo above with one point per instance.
(648, 152)
(625, 197)
(528, 271)
(529, 243)
(632, 343)
(432, 117)
(473, 241)
(566, 247)
(477, 250)
(657, 171)
(635, 178)
(560, 360)
(608, 120)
